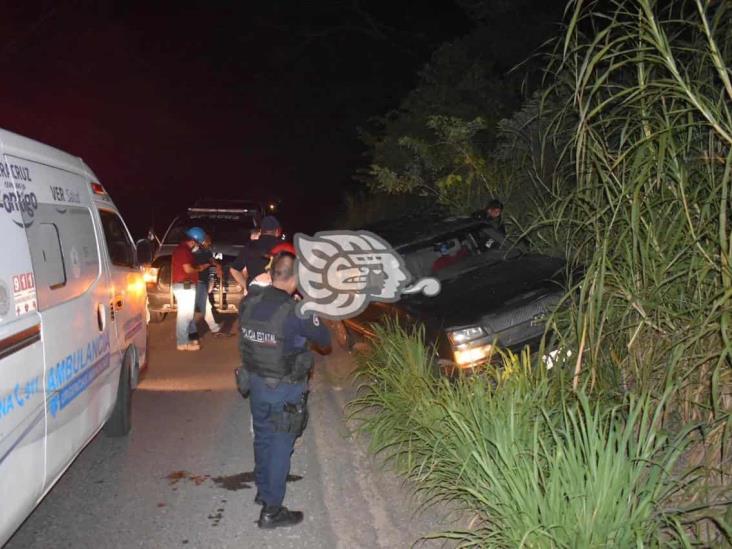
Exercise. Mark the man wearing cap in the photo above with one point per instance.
(204, 311)
(253, 259)
(184, 278)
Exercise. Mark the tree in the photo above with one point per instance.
(441, 141)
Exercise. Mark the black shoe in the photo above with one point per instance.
(258, 499)
(274, 517)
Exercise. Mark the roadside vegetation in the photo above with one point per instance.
(620, 160)
(536, 463)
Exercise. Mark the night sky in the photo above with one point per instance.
(181, 101)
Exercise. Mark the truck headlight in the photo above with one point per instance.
(463, 335)
(150, 275)
(465, 357)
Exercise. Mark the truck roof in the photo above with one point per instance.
(409, 230)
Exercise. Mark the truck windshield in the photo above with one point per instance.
(224, 228)
(458, 251)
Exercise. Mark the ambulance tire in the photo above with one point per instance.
(119, 423)
(156, 317)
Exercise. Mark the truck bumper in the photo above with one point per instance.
(161, 302)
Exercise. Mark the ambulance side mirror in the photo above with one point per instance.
(144, 252)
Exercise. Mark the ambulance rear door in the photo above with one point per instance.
(22, 402)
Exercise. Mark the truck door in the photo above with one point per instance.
(128, 288)
(22, 403)
(73, 302)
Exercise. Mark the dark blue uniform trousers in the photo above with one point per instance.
(272, 449)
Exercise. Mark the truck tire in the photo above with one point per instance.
(343, 336)
(120, 422)
(156, 317)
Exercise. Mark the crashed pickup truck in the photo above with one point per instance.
(493, 295)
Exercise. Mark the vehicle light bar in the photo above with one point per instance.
(221, 210)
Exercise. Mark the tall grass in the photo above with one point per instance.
(644, 200)
(537, 465)
(641, 197)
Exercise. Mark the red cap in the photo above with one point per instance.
(283, 247)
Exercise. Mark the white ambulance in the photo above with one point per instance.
(73, 326)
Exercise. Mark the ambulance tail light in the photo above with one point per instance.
(97, 188)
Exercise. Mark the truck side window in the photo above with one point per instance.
(121, 249)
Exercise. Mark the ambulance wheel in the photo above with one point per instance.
(343, 336)
(156, 317)
(120, 422)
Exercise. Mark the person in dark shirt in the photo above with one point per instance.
(254, 257)
(204, 257)
(494, 215)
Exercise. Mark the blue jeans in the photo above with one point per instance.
(272, 450)
(203, 306)
(185, 299)
(201, 296)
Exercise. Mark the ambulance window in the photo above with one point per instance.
(51, 267)
(121, 249)
(63, 247)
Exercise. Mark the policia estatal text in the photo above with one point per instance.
(275, 367)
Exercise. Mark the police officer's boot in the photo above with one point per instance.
(274, 517)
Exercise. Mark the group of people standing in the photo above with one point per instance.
(193, 265)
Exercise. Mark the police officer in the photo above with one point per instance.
(273, 349)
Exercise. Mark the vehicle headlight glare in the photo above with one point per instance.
(150, 275)
(470, 356)
(465, 334)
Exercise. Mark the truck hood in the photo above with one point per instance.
(485, 290)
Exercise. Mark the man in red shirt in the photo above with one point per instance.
(185, 277)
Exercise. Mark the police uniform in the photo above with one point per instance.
(273, 351)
